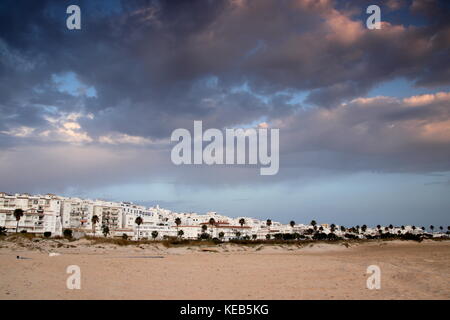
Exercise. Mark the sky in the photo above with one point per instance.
(363, 114)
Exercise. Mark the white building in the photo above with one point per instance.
(77, 214)
(41, 213)
(109, 214)
(51, 213)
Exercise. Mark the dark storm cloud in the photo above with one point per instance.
(148, 59)
(379, 134)
(159, 65)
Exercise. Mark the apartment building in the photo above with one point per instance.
(52, 213)
(41, 213)
(110, 214)
(131, 211)
(77, 214)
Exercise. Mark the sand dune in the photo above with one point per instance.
(409, 270)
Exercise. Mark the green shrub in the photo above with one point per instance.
(204, 236)
(67, 233)
(319, 236)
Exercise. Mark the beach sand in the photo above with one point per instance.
(409, 270)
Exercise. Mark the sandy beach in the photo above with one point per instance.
(409, 270)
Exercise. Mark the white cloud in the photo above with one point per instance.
(424, 99)
(121, 138)
(21, 132)
(65, 128)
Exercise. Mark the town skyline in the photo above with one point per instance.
(363, 114)
(146, 206)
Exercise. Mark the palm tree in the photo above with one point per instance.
(292, 223)
(94, 221)
(254, 236)
(441, 228)
(363, 228)
(212, 222)
(204, 227)
(242, 222)
(403, 227)
(18, 213)
(138, 221)
(431, 228)
(221, 235)
(413, 227)
(378, 227)
(343, 229)
(154, 234)
(177, 222)
(313, 223)
(238, 234)
(268, 224)
(391, 227)
(180, 233)
(332, 227)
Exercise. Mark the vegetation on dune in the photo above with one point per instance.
(67, 233)
(316, 233)
(278, 239)
(105, 230)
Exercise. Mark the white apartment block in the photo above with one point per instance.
(51, 213)
(110, 214)
(77, 214)
(41, 213)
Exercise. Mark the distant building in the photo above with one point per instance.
(52, 213)
(41, 213)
